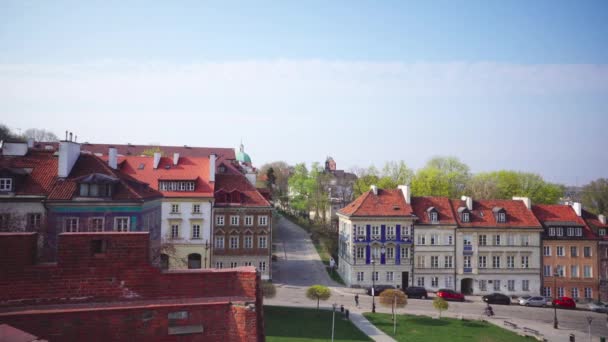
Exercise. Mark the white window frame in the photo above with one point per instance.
(174, 231)
(360, 276)
(467, 261)
(510, 261)
(360, 252)
(262, 220)
(547, 250)
(175, 208)
(92, 227)
(248, 220)
(434, 281)
(390, 276)
(587, 271)
(547, 271)
(234, 220)
(496, 284)
(482, 261)
(219, 220)
(525, 261)
(68, 224)
(234, 242)
(117, 225)
(559, 249)
(6, 184)
(496, 261)
(248, 241)
(196, 231)
(525, 285)
(196, 208)
(483, 285)
(511, 285)
(219, 242)
(448, 261)
(483, 240)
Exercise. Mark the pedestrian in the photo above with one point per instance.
(357, 300)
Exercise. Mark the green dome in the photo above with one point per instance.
(243, 157)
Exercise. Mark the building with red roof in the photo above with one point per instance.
(599, 226)
(570, 252)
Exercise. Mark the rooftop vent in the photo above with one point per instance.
(396, 207)
(141, 166)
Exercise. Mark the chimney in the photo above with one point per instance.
(527, 201)
(374, 189)
(407, 194)
(156, 159)
(469, 201)
(69, 152)
(212, 158)
(175, 158)
(112, 158)
(602, 218)
(578, 208)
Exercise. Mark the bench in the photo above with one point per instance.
(532, 331)
(510, 324)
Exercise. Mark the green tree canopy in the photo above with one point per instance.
(505, 184)
(442, 176)
(392, 175)
(594, 196)
(318, 292)
(440, 305)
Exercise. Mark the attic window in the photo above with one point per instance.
(141, 166)
(465, 217)
(222, 169)
(396, 207)
(433, 215)
(95, 190)
(602, 232)
(6, 184)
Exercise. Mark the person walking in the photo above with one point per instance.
(357, 300)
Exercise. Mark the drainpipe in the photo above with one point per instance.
(455, 257)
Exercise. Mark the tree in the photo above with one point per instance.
(440, 305)
(395, 299)
(150, 151)
(281, 171)
(505, 184)
(300, 188)
(441, 176)
(318, 292)
(270, 178)
(40, 135)
(392, 175)
(268, 289)
(6, 134)
(594, 196)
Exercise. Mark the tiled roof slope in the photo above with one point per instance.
(128, 189)
(548, 213)
(594, 223)
(44, 171)
(420, 205)
(518, 215)
(229, 182)
(187, 168)
(390, 203)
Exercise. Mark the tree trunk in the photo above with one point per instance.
(317, 303)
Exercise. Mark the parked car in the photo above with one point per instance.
(416, 292)
(533, 301)
(549, 300)
(450, 295)
(497, 298)
(598, 307)
(564, 302)
(378, 289)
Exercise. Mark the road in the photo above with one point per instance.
(299, 266)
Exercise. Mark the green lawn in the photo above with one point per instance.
(296, 324)
(423, 328)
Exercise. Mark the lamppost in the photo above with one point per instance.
(373, 286)
(206, 249)
(555, 275)
(333, 319)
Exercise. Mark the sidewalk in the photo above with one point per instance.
(369, 329)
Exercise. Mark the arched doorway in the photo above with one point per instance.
(194, 260)
(164, 262)
(466, 286)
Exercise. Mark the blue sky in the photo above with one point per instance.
(502, 85)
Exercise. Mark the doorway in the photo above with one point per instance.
(466, 286)
(405, 279)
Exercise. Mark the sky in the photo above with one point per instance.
(519, 85)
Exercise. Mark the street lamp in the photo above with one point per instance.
(373, 286)
(206, 249)
(333, 319)
(555, 275)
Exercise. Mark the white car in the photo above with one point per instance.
(533, 301)
(598, 307)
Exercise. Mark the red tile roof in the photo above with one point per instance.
(559, 213)
(390, 203)
(187, 168)
(420, 205)
(595, 224)
(44, 171)
(249, 195)
(518, 215)
(128, 188)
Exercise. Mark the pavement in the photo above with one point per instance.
(299, 266)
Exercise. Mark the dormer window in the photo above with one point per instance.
(6, 184)
(500, 214)
(602, 232)
(176, 186)
(433, 215)
(465, 216)
(96, 185)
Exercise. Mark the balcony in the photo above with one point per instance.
(467, 269)
(467, 250)
(508, 270)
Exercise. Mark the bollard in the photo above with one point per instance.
(347, 313)
(342, 308)
(572, 338)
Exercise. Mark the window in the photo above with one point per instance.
(559, 269)
(34, 220)
(482, 240)
(525, 240)
(262, 241)
(570, 231)
(448, 282)
(376, 253)
(176, 186)
(262, 266)
(194, 261)
(560, 291)
(420, 281)
(219, 220)
(587, 251)
(525, 262)
(574, 271)
(434, 239)
(164, 261)
(447, 261)
(175, 231)
(497, 240)
(390, 252)
(5, 219)
(510, 261)
(525, 285)
(560, 250)
(196, 231)
(375, 276)
(502, 217)
(375, 231)
(559, 231)
(496, 285)
(174, 208)
(420, 239)
(579, 231)
(483, 285)
(602, 232)
(510, 240)
(405, 231)
(587, 271)
(547, 291)
(360, 276)
(248, 241)
(361, 231)
(219, 242)
(573, 251)
(511, 285)
(196, 208)
(496, 261)
(420, 261)
(551, 231)
(390, 231)
(234, 264)
(6, 184)
(450, 239)
(234, 220)
(434, 261)
(547, 250)
(389, 276)
(588, 293)
(70, 224)
(234, 242)
(434, 281)
(547, 271)
(219, 264)
(262, 220)
(467, 261)
(96, 224)
(574, 292)
(482, 261)
(249, 220)
(465, 217)
(434, 217)
(247, 263)
(360, 252)
(467, 240)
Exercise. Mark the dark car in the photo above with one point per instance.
(497, 298)
(378, 289)
(450, 295)
(416, 292)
